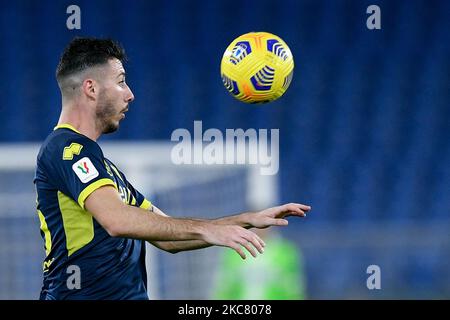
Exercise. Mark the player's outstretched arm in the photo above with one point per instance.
(262, 219)
(122, 220)
(266, 218)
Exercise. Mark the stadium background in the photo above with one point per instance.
(364, 129)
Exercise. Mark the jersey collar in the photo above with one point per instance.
(66, 126)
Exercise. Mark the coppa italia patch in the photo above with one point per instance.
(85, 170)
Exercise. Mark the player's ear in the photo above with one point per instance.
(90, 88)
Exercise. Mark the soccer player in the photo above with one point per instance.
(92, 219)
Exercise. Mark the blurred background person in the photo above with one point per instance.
(277, 275)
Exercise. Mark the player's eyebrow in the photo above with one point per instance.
(121, 74)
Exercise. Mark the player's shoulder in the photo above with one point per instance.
(65, 143)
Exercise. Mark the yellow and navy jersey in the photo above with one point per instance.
(70, 166)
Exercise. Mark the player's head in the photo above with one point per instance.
(91, 70)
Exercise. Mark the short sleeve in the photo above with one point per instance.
(141, 201)
(77, 168)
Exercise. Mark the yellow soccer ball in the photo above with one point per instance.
(257, 67)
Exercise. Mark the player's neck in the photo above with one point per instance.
(79, 120)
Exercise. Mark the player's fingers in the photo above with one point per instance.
(251, 239)
(303, 207)
(263, 244)
(257, 242)
(296, 209)
(248, 246)
(239, 250)
(297, 212)
(293, 207)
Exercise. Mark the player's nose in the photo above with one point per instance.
(130, 95)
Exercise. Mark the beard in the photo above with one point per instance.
(105, 115)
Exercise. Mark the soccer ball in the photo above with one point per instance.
(257, 67)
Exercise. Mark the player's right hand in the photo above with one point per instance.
(276, 216)
(234, 237)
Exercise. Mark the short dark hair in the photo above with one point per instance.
(83, 53)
